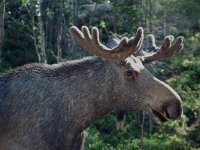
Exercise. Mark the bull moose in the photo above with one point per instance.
(48, 107)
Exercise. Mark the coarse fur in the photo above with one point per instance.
(49, 106)
(32, 110)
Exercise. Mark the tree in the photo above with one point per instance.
(36, 12)
(43, 58)
(2, 13)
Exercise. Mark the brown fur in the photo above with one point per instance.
(49, 106)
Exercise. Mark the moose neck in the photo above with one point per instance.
(90, 94)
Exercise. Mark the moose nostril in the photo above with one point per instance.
(174, 111)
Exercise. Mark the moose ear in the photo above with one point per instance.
(112, 42)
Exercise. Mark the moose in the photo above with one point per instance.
(48, 107)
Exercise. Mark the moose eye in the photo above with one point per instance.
(129, 73)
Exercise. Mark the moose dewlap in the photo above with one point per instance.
(48, 107)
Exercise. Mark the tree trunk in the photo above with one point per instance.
(2, 13)
(150, 15)
(42, 34)
(60, 30)
(35, 39)
(151, 124)
(142, 129)
(164, 23)
(59, 47)
(146, 13)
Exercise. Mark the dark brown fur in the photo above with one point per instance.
(48, 107)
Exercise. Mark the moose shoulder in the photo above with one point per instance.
(48, 107)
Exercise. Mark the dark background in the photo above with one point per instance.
(37, 31)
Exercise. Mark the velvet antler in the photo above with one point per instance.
(91, 43)
(165, 51)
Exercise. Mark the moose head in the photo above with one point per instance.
(134, 86)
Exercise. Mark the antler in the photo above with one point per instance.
(165, 51)
(91, 43)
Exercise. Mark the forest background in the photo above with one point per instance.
(38, 31)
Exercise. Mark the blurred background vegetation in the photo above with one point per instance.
(37, 31)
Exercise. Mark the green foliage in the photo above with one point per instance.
(103, 135)
(194, 135)
(162, 17)
(192, 9)
(183, 73)
(19, 49)
(187, 84)
(127, 15)
(4, 67)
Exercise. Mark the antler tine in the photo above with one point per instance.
(92, 44)
(179, 44)
(151, 45)
(127, 47)
(165, 51)
(136, 42)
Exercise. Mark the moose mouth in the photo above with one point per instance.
(161, 117)
(171, 112)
